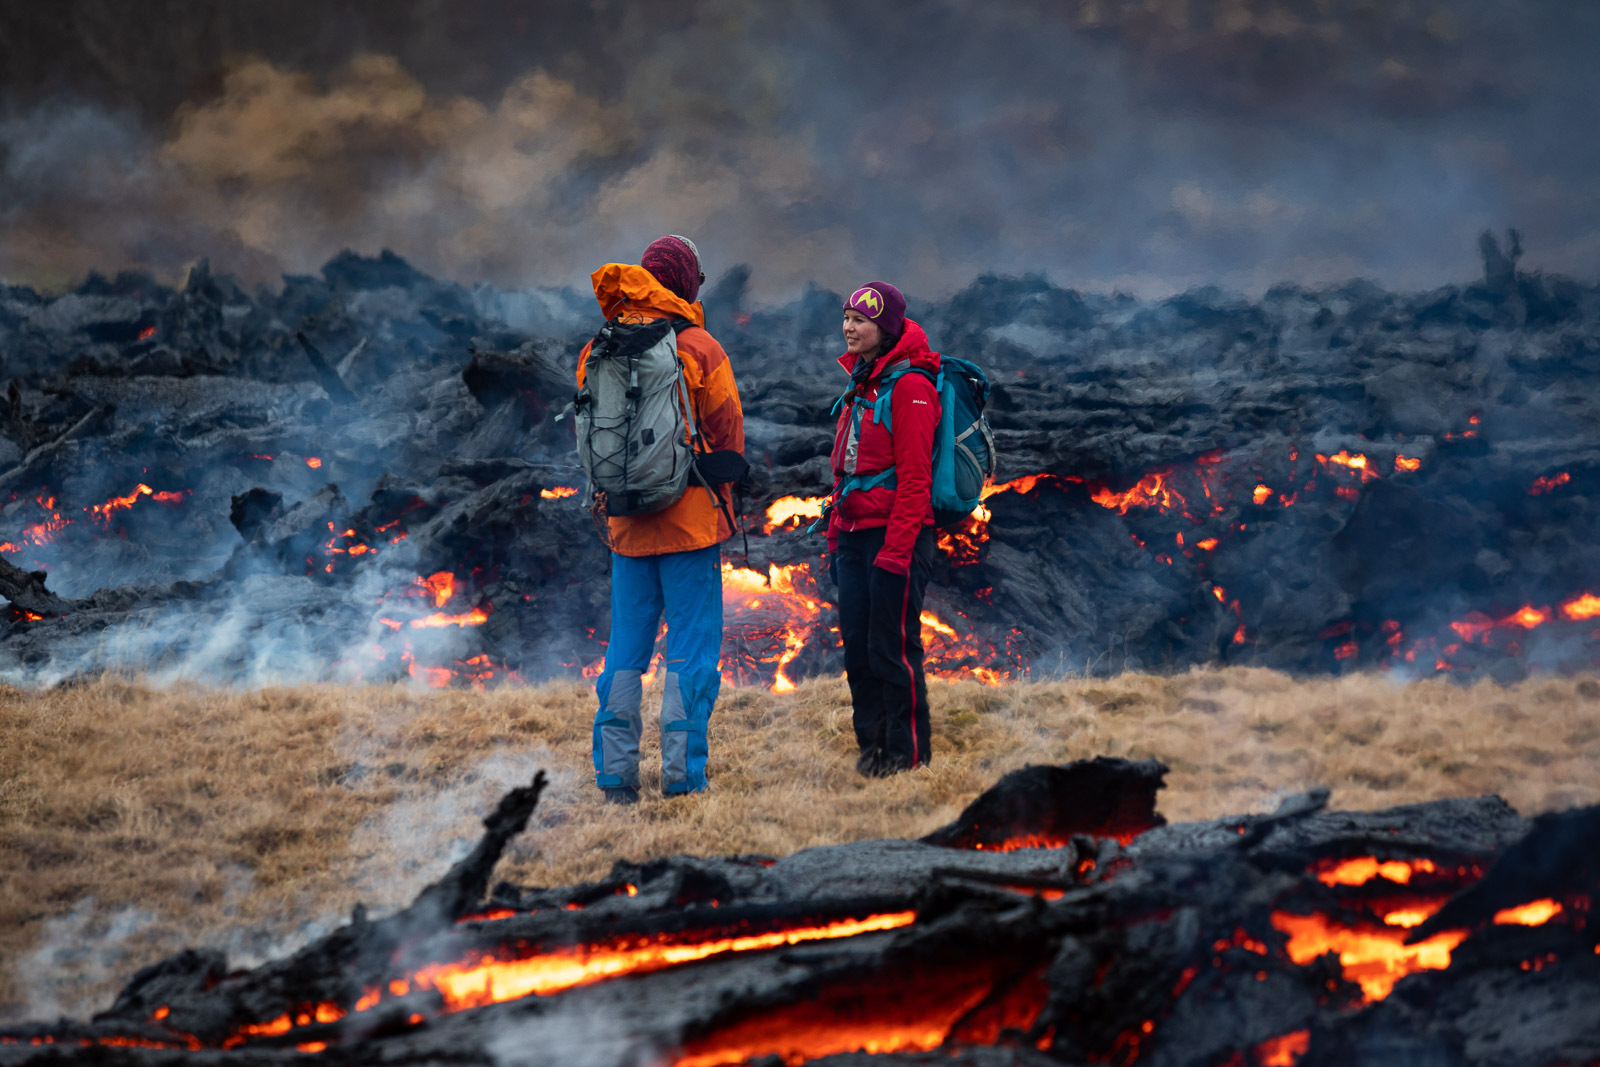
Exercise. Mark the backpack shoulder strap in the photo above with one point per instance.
(883, 408)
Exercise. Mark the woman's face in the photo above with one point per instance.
(861, 334)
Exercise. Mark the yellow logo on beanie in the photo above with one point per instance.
(868, 300)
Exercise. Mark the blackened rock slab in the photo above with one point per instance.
(1102, 797)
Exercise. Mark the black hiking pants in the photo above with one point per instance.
(880, 622)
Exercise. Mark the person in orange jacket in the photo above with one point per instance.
(669, 561)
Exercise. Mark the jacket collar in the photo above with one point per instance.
(913, 345)
(621, 287)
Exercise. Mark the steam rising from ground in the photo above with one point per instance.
(1147, 145)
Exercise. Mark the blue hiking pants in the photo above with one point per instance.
(688, 587)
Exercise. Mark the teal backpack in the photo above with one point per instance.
(963, 447)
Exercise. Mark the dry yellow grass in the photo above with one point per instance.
(134, 822)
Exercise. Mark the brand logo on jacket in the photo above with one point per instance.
(868, 301)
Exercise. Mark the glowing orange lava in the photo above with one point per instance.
(1374, 958)
(934, 1009)
(475, 617)
(1586, 606)
(1151, 491)
(559, 492)
(490, 980)
(1534, 913)
(774, 611)
(1528, 617)
(318, 1013)
(788, 512)
(441, 585)
(1284, 1050)
(1363, 869)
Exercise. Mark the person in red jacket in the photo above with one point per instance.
(880, 528)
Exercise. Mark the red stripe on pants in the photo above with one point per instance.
(911, 677)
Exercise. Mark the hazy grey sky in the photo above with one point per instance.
(1148, 145)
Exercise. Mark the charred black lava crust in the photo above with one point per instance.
(1452, 933)
(368, 473)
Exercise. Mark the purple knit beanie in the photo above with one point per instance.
(675, 262)
(883, 304)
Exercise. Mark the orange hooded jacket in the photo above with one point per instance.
(631, 293)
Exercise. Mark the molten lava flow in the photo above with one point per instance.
(559, 492)
(962, 544)
(1527, 617)
(1406, 463)
(45, 532)
(791, 512)
(474, 617)
(1353, 462)
(1363, 869)
(489, 980)
(914, 1013)
(317, 1013)
(1586, 606)
(120, 503)
(771, 612)
(313, 462)
(1534, 913)
(1151, 491)
(441, 585)
(1284, 1050)
(1374, 958)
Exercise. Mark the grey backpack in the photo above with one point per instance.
(633, 441)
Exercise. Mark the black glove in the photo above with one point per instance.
(722, 467)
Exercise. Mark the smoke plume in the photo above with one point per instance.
(1148, 146)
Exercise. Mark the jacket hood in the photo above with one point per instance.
(620, 286)
(913, 345)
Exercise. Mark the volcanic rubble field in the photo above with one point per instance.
(1059, 919)
(366, 475)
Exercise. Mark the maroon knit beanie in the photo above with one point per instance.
(884, 305)
(675, 262)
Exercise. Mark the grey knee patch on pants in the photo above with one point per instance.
(619, 725)
(674, 738)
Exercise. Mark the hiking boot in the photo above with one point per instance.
(870, 765)
(621, 794)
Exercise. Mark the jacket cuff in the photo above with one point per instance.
(893, 566)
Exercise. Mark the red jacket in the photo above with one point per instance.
(904, 441)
